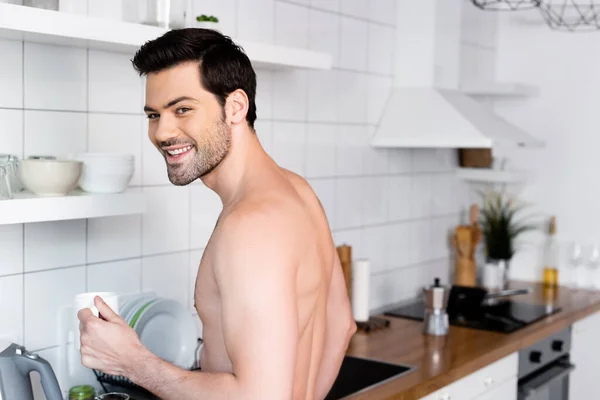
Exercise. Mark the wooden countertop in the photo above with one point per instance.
(440, 361)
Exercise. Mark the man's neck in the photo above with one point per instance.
(246, 156)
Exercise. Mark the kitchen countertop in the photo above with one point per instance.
(440, 361)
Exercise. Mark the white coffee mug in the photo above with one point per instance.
(86, 300)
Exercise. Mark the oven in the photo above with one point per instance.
(544, 368)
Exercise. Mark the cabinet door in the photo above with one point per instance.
(505, 391)
(585, 351)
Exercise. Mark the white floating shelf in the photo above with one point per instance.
(27, 207)
(484, 175)
(65, 29)
(500, 89)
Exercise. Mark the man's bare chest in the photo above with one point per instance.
(206, 293)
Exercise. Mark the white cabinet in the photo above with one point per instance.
(585, 350)
(497, 381)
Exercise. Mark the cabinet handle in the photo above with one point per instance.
(488, 381)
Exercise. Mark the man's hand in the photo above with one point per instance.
(108, 344)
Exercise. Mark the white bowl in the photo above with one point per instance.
(105, 182)
(50, 177)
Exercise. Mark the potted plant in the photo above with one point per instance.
(207, 21)
(501, 226)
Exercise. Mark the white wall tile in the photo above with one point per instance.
(378, 92)
(11, 307)
(291, 25)
(356, 8)
(11, 132)
(323, 96)
(420, 196)
(45, 294)
(353, 53)
(117, 133)
(107, 9)
(383, 11)
(351, 141)
(55, 77)
(375, 200)
(225, 10)
(348, 203)
(476, 64)
(329, 5)
(325, 191)
(440, 237)
(385, 289)
(121, 277)
(11, 74)
(399, 198)
(324, 34)
(195, 258)
(256, 20)
(352, 238)
(415, 277)
(352, 97)
(420, 241)
(444, 188)
(374, 243)
(320, 150)
(168, 275)
(206, 207)
(166, 223)
(113, 238)
(154, 166)
(11, 251)
(480, 28)
(54, 133)
(114, 86)
(289, 144)
(433, 160)
(400, 161)
(381, 40)
(376, 160)
(264, 94)
(54, 244)
(264, 131)
(399, 251)
(290, 95)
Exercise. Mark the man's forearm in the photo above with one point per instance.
(172, 383)
(336, 344)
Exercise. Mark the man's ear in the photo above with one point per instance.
(236, 106)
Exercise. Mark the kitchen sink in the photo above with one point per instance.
(358, 374)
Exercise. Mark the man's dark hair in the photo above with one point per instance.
(224, 67)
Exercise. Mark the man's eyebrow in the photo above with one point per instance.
(169, 104)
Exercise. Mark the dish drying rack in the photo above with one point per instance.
(124, 382)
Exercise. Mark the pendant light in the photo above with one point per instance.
(571, 15)
(506, 5)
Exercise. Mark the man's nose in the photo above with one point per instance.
(166, 130)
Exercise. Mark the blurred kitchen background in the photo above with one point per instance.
(396, 207)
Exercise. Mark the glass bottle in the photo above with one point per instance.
(551, 256)
(82, 392)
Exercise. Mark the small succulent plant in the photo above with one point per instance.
(207, 18)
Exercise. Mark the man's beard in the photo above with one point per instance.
(210, 152)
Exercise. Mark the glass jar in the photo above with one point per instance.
(82, 392)
(168, 14)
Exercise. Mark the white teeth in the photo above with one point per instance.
(179, 151)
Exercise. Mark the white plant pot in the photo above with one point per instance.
(207, 25)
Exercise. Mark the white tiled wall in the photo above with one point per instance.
(394, 207)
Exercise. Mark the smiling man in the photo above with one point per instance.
(270, 290)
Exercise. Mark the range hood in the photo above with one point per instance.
(425, 108)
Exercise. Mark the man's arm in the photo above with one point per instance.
(255, 271)
(339, 330)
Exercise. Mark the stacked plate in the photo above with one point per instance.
(165, 327)
(106, 172)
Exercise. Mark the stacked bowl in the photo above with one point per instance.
(106, 172)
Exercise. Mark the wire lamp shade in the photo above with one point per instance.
(509, 5)
(571, 15)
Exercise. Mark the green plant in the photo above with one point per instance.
(500, 226)
(207, 18)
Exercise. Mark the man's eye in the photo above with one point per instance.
(182, 110)
(153, 116)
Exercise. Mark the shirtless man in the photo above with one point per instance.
(270, 290)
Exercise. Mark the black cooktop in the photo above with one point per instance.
(506, 317)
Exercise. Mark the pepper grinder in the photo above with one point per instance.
(436, 301)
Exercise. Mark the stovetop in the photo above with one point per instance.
(506, 317)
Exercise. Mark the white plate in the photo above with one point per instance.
(167, 329)
(135, 306)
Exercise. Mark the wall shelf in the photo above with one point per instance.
(484, 175)
(65, 29)
(500, 89)
(27, 207)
